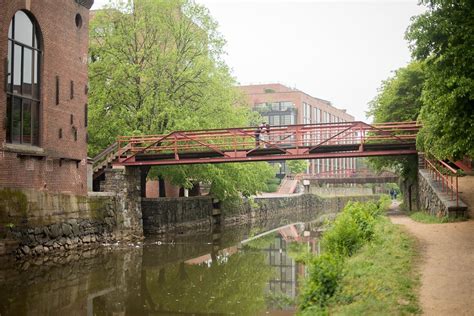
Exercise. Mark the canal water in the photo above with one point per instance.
(244, 270)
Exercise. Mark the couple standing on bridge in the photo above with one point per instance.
(261, 134)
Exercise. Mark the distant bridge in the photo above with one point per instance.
(341, 176)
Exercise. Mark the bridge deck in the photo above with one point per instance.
(309, 141)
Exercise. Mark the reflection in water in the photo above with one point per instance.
(213, 273)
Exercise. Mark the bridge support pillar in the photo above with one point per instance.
(125, 182)
(409, 185)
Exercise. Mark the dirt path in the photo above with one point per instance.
(447, 267)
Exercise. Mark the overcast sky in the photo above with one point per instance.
(335, 50)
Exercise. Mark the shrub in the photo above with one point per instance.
(384, 202)
(353, 227)
(365, 217)
(271, 188)
(324, 275)
(344, 237)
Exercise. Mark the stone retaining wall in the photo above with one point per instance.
(34, 223)
(264, 208)
(37, 223)
(180, 214)
(432, 199)
(168, 214)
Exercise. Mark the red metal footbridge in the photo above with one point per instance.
(308, 141)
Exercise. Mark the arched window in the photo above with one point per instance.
(23, 81)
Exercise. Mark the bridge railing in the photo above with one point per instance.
(307, 137)
(444, 174)
(105, 154)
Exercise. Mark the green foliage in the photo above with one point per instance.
(344, 237)
(385, 201)
(260, 243)
(436, 89)
(156, 66)
(443, 38)
(378, 279)
(426, 218)
(279, 300)
(399, 99)
(299, 252)
(353, 228)
(365, 217)
(297, 166)
(272, 185)
(228, 181)
(324, 276)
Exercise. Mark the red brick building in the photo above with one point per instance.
(281, 105)
(43, 97)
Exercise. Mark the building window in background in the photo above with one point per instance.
(23, 81)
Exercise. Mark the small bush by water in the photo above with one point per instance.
(366, 267)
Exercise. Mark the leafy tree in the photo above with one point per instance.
(443, 37)
(399, 99)
(297, 166)
(155, 67)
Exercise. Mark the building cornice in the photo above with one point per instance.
(85, 3)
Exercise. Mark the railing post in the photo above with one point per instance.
(452, 189)
(235, 143)
(175, 148)
(457, 192)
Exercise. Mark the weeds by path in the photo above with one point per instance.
(426, 218)
(367, 267)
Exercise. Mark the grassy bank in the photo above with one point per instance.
(424, 217)
(366, 267)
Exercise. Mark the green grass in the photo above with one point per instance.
(380, 279)
(426, 218)
(272, 185)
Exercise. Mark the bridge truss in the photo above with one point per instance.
(308, 141)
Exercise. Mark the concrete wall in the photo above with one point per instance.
(433, 200)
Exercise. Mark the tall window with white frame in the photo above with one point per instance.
(23, 81)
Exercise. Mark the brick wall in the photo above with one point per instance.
(57, 165)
